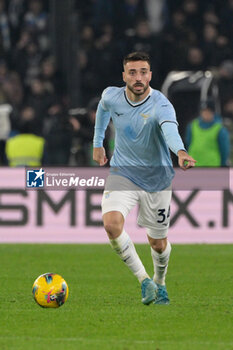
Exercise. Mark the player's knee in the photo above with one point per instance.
(113, 228)
(158, 245)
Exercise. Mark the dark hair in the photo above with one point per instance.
(208, 104)
(137, 56)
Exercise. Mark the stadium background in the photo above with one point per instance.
(56, 57)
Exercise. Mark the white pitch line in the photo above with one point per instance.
(116, 340)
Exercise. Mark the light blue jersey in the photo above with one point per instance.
(141, 152)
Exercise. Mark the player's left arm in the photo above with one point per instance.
(185, 160)
(175, 143)
(166, 117)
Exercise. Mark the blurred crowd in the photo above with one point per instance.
(179, 35)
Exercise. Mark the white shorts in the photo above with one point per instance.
(154, 207)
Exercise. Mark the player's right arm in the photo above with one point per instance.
(101, 123)
(99, 155)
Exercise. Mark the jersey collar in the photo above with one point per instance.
(136, 104)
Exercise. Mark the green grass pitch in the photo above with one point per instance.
(104, 309)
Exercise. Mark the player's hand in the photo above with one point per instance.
(99, 156)
(185, 161)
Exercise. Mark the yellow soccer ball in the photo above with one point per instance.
(50, 290)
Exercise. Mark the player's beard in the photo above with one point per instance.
(135, 92)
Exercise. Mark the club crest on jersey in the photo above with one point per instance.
(145, 117)
(106, 194)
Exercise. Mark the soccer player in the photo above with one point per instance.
(141, 169)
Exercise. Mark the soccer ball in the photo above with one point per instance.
(50, 290)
